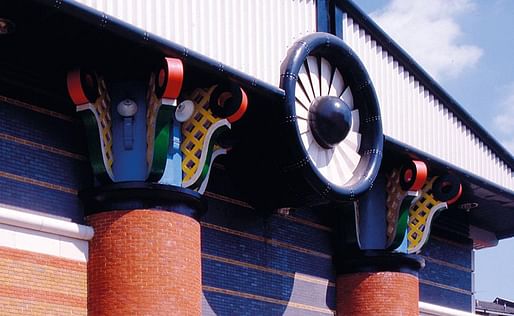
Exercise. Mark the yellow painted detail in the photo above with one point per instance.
(421, 214)
(151, 116)
(101, 107)
(395, 196)
(194, 131)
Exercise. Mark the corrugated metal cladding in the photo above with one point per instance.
(252, 36)
(412, 115)
(265, 30)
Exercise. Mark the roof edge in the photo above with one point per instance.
(442, 164)
(414, 68)
(142, 37)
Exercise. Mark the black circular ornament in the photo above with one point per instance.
(89, 83)
(330, 120)
(349, 131)
(225, 100)
(447, 188)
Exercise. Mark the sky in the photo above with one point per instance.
(468, 47)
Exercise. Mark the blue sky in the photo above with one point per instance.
(468, 47)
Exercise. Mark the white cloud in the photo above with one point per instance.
(429, 32)
(503, 122)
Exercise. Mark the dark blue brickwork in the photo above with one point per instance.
(222, 304)
(275, 227)
(219, 176)
(448, 298)
(44, 165)
(40, 199)
(282, 287)
(256, 252)
(450, 252)
(42, 128)
(446, 275)
(284, 283)
(450, 271)
(313, 259)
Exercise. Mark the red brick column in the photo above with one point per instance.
(145, 256)
(144, 262)
(377, 293)
(377, 283)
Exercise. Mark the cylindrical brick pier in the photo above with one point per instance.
(378, 283)
(378, 293)
(144, 260)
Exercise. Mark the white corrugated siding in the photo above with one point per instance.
(252, 36)
(412, 115)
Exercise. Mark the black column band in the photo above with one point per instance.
(143, 195)
(378, 261)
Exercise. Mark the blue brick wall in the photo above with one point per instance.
(222, 304)
(268, 242)
(42, 165)
(447, 277)
(60, 132)
(448, 251)
(269, 265)
(440, 296)
(43, 160)
(252, 264)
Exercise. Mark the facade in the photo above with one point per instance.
(103, 212)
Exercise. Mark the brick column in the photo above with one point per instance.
(144, 258)
(378, 283)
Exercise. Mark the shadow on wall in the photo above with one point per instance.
(256, 264)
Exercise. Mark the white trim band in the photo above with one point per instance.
(426, 309)
(45, 224)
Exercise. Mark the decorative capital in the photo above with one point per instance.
(149, 130)
(413, 200)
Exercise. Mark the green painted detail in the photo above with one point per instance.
(94, 145)
(161, 142)
(403, 221)
(210, 149)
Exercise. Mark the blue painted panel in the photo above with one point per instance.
(372, 217)
(129, 161)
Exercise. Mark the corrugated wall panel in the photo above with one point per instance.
(412, 115)
(252, 36)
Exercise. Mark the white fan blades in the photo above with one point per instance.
(316, 78)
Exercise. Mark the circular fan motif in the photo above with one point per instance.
(319, 80)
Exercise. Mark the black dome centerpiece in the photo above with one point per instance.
(323, 141)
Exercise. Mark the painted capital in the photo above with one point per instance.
(413, 200)
(143, 127)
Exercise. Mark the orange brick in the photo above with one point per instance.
(37, 284)
(378, 293)
(144, 262)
